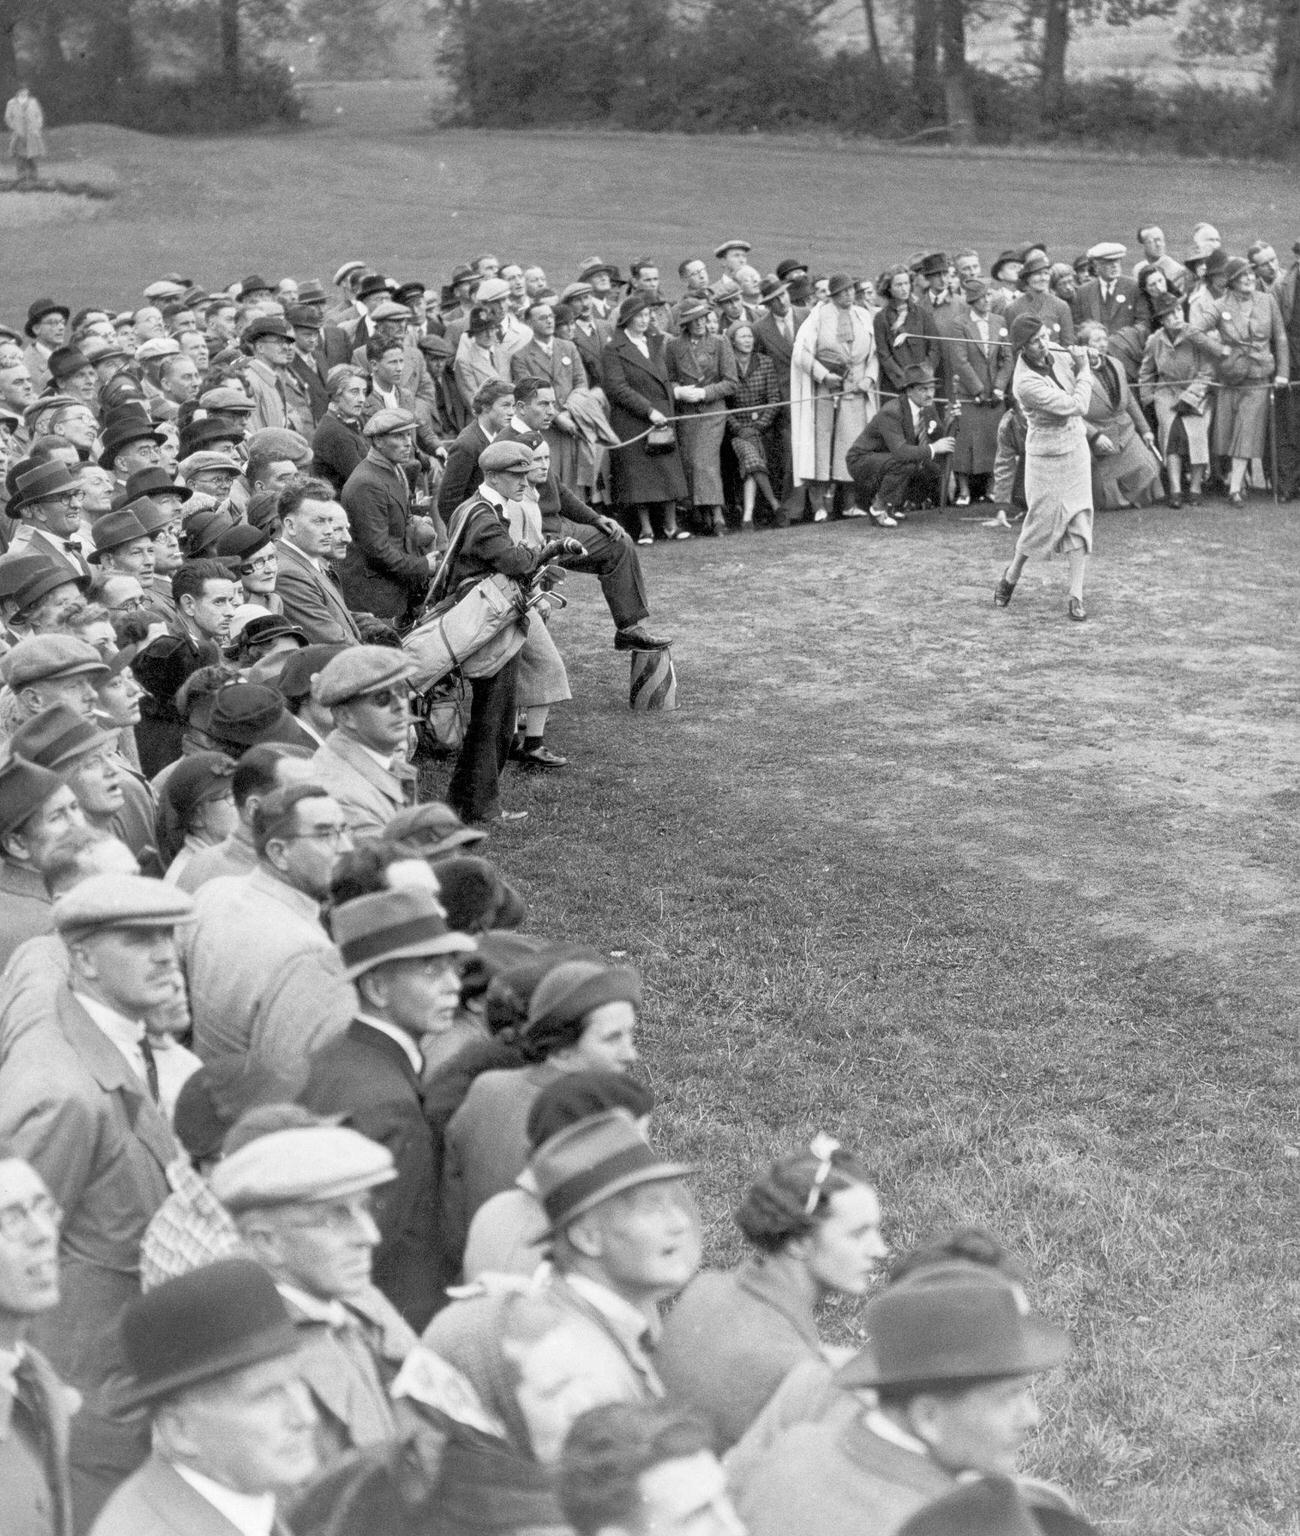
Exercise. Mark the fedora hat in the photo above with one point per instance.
(37, 312)
(592, 1161)
(773, 284)
(934, 264)
(375, 283)
(25, 579)
(1005, 259)
(692, 309)
(56, 737)
(917, 373)
(217, 1319)
(952, 1322)
(24, 788)
(594, 264)
(393, 925)
(132, 428)
(112, 531)
(264, 326)
(155, 480)
(838, 282)
(41, 483)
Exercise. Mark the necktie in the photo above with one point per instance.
(150, 1067)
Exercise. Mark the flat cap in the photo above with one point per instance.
(505, 458)
(41, 657)
(576, 291)
(389, 420)
(304, 1164)
(490, 290)
(24, 788)
(121, 901)
(1107, 250)
(156, 347)
(433, 828)
(387, 310)
(164, 288)
(360, 669)
(226, 397)
(206, 460)
(346, 271)
(731, 245)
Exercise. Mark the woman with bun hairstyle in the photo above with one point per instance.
(813, 1220)
(582, 1015)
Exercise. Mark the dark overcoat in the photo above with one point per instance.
(637, 385)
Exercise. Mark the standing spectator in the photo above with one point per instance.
(78, 1100)
(1254, 354)
(755, 405)
(26, 124)
(35, 1406)
(833, 388)
(943, 320)
(1037, 300)
(774, 334)
(400, 955)
(814, 1219)
(702, 372)
(269, 342)
(559, 364)
(1125, 470)
(983, 374)
(900, 342)
(1108, 298)
(635, 373)
(305, 580)
(461, 477)
(36, 809)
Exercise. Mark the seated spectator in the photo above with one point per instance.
(1175, 380)
(363, 763)
(476, 896)
(1125, 470)
(814, 1219)
(196, 811)
(36, 809)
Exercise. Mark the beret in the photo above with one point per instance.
(304, 1163)
(24, 788)
(1107, 250)
(40, 657)
(388, 420)
(502, 458)
(121, 901)
(1024, 328)
(360, 669)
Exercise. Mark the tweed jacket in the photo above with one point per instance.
(50, 1405)
(1115, 312)
(759, 390)
(367, 1077)
(264, 979)
(270, 405)
(382, 573)
(563, 369)
(311, 600)
(769, 338)
(157, 1501)
(369, 795)
(24, 907)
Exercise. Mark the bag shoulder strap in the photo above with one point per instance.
(456, 534)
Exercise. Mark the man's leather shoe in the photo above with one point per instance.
(542, 757)
(1002, 592)
(638, 639)
(1076, 610)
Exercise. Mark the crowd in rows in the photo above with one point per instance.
(331, 1197)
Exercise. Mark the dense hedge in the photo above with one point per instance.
(206, 104)
(742, 67)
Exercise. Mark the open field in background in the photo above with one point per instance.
(1008, 903)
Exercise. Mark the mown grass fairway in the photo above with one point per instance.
(1006, 902)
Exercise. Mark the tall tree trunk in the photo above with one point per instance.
(1056, 40)
(958, 106)
(8, 57)
(113, 43)
(925, 54)
(1286, 71)
(873, 34)
(228, 29)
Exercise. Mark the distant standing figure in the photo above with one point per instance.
(26, 124)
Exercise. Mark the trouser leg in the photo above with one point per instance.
(473, 792)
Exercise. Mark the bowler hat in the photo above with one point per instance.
(591, 1162)
(917, 374)
(56, 737)
(219, 1318)
(838, 282)
(25, 579)
(37, 312)
(65, 361)
(154, 480)
(791, 267)
(933, 265)
(375, 283)
(24, 788)
(393, 925)
(263, 326)
(358, 670)
(254, 284)
(952, 1322)
(112, 531)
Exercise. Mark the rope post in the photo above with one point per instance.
(653, 681)
(1272, 445)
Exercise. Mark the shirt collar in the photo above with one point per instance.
(492, 497)
(332, 1313)
(881, 1424)
(125, 1033)
(409, 1047)
(628, 1322)
(251, 1514)
(299, 550)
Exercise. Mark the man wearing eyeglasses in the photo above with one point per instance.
(78, 1100)
(34, 1404)
(302, 1200)
(265, 981)
(49, 501)
(363, 761)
